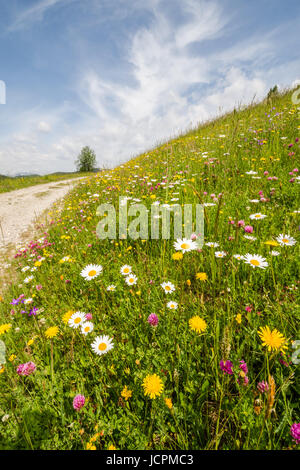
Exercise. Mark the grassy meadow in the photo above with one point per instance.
(181, 349)
(19, 182)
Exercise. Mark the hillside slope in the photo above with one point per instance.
(207, 363)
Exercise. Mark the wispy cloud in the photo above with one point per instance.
(32, 14)
(167, 97)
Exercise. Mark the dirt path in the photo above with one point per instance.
(20, 208)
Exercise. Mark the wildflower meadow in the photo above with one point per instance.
(164, 343)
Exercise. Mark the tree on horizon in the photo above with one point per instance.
(86, 160)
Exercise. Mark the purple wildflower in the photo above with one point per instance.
(152, 319)
(26, 369)
(226, 367)
(295, 432)
(262, 387)
(78, 402)
(243, 366)
(33, 311)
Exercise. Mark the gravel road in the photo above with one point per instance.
(20, 208)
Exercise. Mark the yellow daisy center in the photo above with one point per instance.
(126, 270)
(254, 262)
(77, 320)
(185, 246)
(285, 240)
(167, 287)
(92, 272)
(102, 346)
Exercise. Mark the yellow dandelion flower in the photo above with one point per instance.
(12, 357)
(153, 385)
(177, 256)
(201, 276)
(66, 317)
(111, 447)
(273, 340)
(95, 437)
(238, 318)
(2, 369)
(51, 332)
(188, 282)
(169, 403)
(197, 324)
(31, 341)
(90, 446)
(4, 328)
(271, 243)
(126, 393)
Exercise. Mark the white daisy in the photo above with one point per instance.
(185, 245)
(286, 240)
(256, 261)
(28, 301)
(25, 269)
(238, 257)
(250, 237)
(131, 280)
(102, 344)
(111, 288)
(125, 270)
(212, 244)
(28, 279)
(257, 216)
(87, 327)
(168, 287)
(275, 253)
(65, 259)
(77, 319)
(91, 271)
(172, 305)
(220, 254)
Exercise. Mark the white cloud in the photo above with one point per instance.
(165, 71)
(44, 126)
(173, 88)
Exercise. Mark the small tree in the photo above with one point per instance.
(86, 160)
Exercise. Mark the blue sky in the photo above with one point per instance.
(123, 75)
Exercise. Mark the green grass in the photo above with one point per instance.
(10, 184)
(210, 409)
